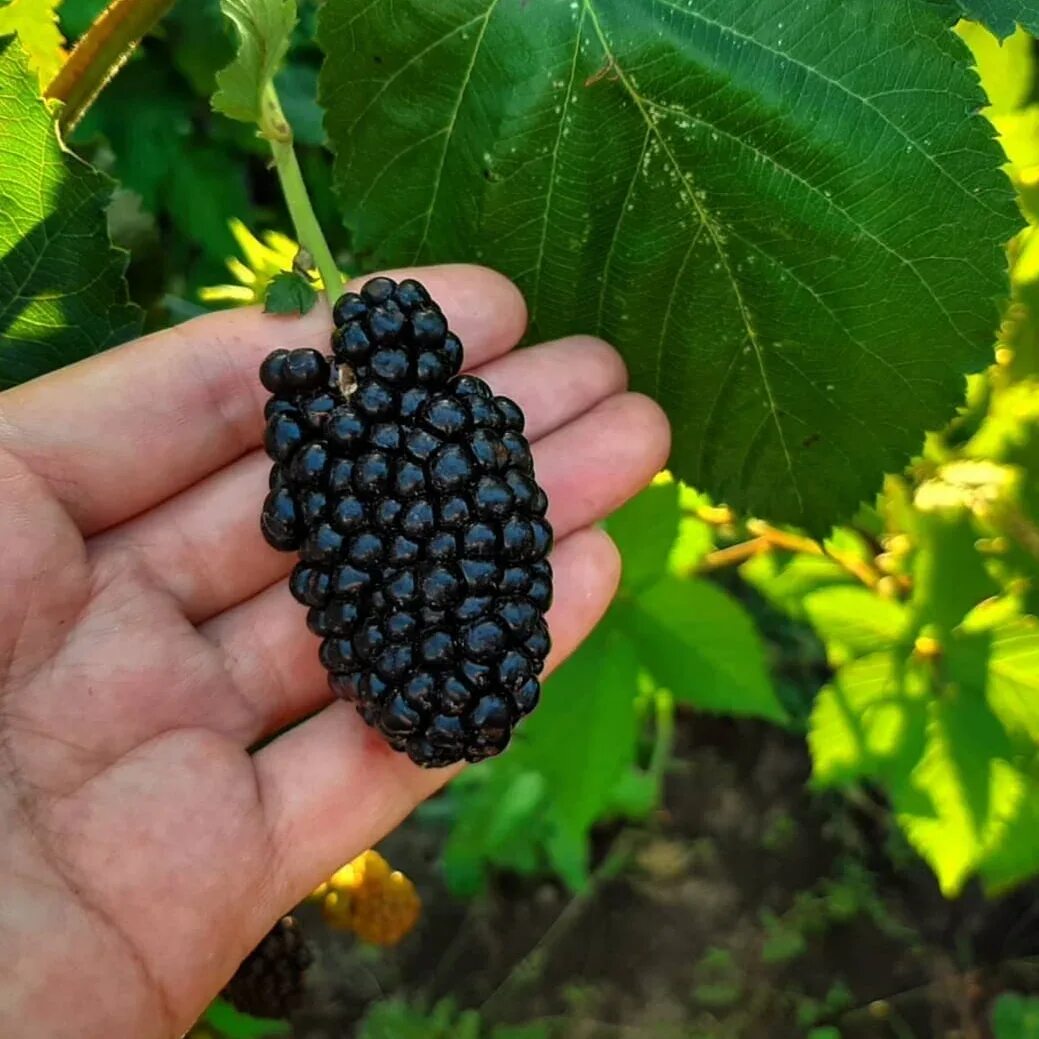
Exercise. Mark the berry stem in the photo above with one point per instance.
(275, 127)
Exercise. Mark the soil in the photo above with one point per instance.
(747, 907)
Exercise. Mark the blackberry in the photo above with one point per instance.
(408, 491)
(270, 980)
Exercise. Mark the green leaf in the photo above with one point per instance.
(36, 23)
(204, 194)
(200, 43)
(146, 118)
(1006, 68)
(395, 1019)
(1012, 689)
(235, 1025)
(582, 738)
(1002, 16)
(787, 580)
(949, 574)
(77, 15)
(62, 292)
(1016, 857)
(702, 645)
(289, 293)
(634, 795)
(855, 619)
(958, 803)
(795, 245)
(868, 722)
(499, 822)
(644, 531)
(1015, 1017)
(532, 1031)
(696, 537)
(264, 33)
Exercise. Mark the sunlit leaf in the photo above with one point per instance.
(958, 802)
(1012, 689)
(868, 722)
(949, 575)
(856, 619)
(36, 23)
(62, 293)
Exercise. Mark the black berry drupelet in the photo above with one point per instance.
(270, 980)
(408, 491)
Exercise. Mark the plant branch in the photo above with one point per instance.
(767, 537)
(733, 555)
(100, 54)
(276, 129)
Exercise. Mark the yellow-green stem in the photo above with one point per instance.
(276, 129)
(100, 53)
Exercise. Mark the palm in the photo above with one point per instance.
(148, 641)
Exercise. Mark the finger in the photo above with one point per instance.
(144, 421)
(205, 546)
(272, 658)
(597, 462)
(331, 787)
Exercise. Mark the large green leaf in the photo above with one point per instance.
(785, 215)
(62, 293)
(1002, 15)
(701, 644)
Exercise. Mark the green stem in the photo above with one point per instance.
(660, 758)
(275, 127)
(616, 859)
(100, 53)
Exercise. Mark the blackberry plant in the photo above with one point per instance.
(409, 492)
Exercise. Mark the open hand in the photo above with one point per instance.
(148, 643)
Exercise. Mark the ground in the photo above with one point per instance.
(747, 907)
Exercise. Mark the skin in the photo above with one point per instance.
(148, 644)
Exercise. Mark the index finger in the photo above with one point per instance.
(118, 433)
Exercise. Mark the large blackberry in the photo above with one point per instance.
(269, 982)
(409, 492)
